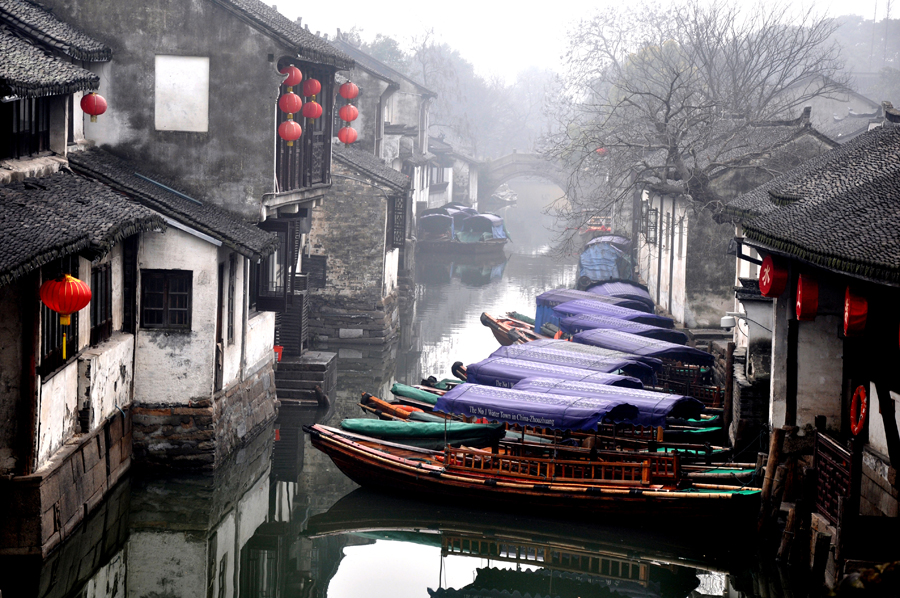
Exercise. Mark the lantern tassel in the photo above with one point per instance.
(64, 346)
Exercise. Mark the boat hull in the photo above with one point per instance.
(385, 473)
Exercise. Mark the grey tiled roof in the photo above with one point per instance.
(26, 71)
(377, 67)
(36, 22)
(47, 218)
(308, 45)
(213, 220)
(840, 211)
(372, 166)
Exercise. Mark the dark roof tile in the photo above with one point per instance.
(27, 71)
(47, 218)
(372, 166)
(36, 22)
(213, 220)
(308, 45)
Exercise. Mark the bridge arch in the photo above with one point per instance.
(496, 172)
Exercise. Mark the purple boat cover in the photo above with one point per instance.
(561, 412)
(626, 364)
(581, 322)
(639, 345)
(587, 351)
(625, 290)
(505, 372)
(578, 307)
(654, 407)
(554, 297)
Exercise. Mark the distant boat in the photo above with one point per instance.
(454, 230)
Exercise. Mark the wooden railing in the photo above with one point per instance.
(834, 465)
(628, 469)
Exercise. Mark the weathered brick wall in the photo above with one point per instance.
(203, 433)
(350, 229)
(50, 503)
(878, 492)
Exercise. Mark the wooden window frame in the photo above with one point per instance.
(276, 297)
(652, 225)
(101, 303)
(232, 275)
(24, 127)
(51, 329)
(168, 277)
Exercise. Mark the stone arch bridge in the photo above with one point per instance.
(496, 172)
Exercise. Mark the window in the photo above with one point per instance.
(397, 214)
(652, 225)
(308, 161)
(272, 278)
(101, 303)
(232, 274)
(166, 299)
(51, 330)
(437, 174)
(24, 127)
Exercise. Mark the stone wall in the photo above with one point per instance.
(334, 322)
(201, 434)
(50, 503)
(878, 491)
(750, 410)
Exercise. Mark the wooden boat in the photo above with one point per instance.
(510, 331)
(433, 435)
(476, 234)
(652, 487)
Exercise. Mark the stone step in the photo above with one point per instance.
(309, 376)
(297, 384)
(307, 396)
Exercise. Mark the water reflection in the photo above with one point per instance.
(279, 519)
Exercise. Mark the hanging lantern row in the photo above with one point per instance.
(93, 104)
(348, 113)
(312, 109)
(291, 103)
(65, 295)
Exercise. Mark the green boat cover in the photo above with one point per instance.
(433, 435)
(410, 392)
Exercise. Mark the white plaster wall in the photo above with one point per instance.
(105, 374)
(186, 357)
(232, 363)
(109, 580)
(253, 508)
(391, 270)
(820, 371)
(118, 297)
(877, 436)
(225, 556)
(113, 126)
(166, 564)
(84, 316)
(390, 148)
(57, 411)
(260, 337)
(181, 93)
(778, 387)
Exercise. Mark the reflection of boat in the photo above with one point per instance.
(579, 545)
(477, 269)
(646, 487)
(472, 234)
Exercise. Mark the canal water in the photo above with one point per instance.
(279, 520)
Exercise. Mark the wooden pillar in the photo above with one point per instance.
(727, 407)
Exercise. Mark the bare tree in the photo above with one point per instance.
(663, 98)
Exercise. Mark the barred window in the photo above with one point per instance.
(166, 299)
(652, 225)
(101, 303)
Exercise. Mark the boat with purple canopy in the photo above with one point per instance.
(624, 290)
(538, 409)
(580, 306)
(621, 364)
(653, 407)
(547, 300)
(581, 322)
(506, 372)
(577, 349)
(639, 345)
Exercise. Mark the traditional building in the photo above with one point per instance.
(357, 236)
(681, 249)
(827, 231)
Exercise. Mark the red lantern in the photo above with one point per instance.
(294, 76)
(93, 104)
(348, 90)
(807, 298)
(290, 103)
(312, 109)
(347, 135)
(348, 113)
(290, 131)
(601, 151)
(311, 87)
(65, 295)
(856, 309)
(772, 279)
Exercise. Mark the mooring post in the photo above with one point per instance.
(775, 443)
